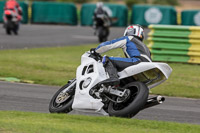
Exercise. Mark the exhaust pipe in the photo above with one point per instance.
(154, 101)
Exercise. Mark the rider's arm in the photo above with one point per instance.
(17, 4)
(113, 44)
(20, 10)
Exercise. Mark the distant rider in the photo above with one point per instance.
(14, 6)
(103, 12)
(134, 49)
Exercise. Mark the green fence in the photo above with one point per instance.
(175, 43)
(190, 17)
(149, 14)
(24, 9)
(118, 11)
(54, 12)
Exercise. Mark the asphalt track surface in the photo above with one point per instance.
(33, 36)
(35, 98)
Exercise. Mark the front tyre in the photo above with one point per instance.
(62, 101)
(133, 104)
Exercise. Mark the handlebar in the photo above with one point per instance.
(95, 55)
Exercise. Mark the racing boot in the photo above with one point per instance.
(112, 72)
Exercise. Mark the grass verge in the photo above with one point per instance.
(55, 66)
(21, 122)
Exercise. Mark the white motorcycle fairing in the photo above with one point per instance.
(148, 69)
(88, 74)
(91, 72)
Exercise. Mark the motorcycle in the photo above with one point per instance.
(101, 23)
(88, 93)
(11, 21)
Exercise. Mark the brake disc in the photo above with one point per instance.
(124, 97)
(62, 97)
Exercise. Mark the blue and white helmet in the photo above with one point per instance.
(136, 31)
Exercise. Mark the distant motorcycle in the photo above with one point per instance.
(11, 21)
(102, 27)
(88, 93)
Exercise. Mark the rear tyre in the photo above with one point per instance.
(100, 34)
(103, 34)
(136, 100)
(62, 102)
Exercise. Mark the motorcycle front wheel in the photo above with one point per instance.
(138, 94)
(62, 100)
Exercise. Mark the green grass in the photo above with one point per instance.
(21, 122)
(52, 66)
(55, 66)
(183, 82)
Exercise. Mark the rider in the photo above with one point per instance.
(102, 10)
(134, 49)
(15, 7)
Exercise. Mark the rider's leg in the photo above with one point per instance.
(122, 63)
(112, 72)
(114, 64)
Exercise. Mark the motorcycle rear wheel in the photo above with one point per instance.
(62, 102)
(134, 103)
(103, 34)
